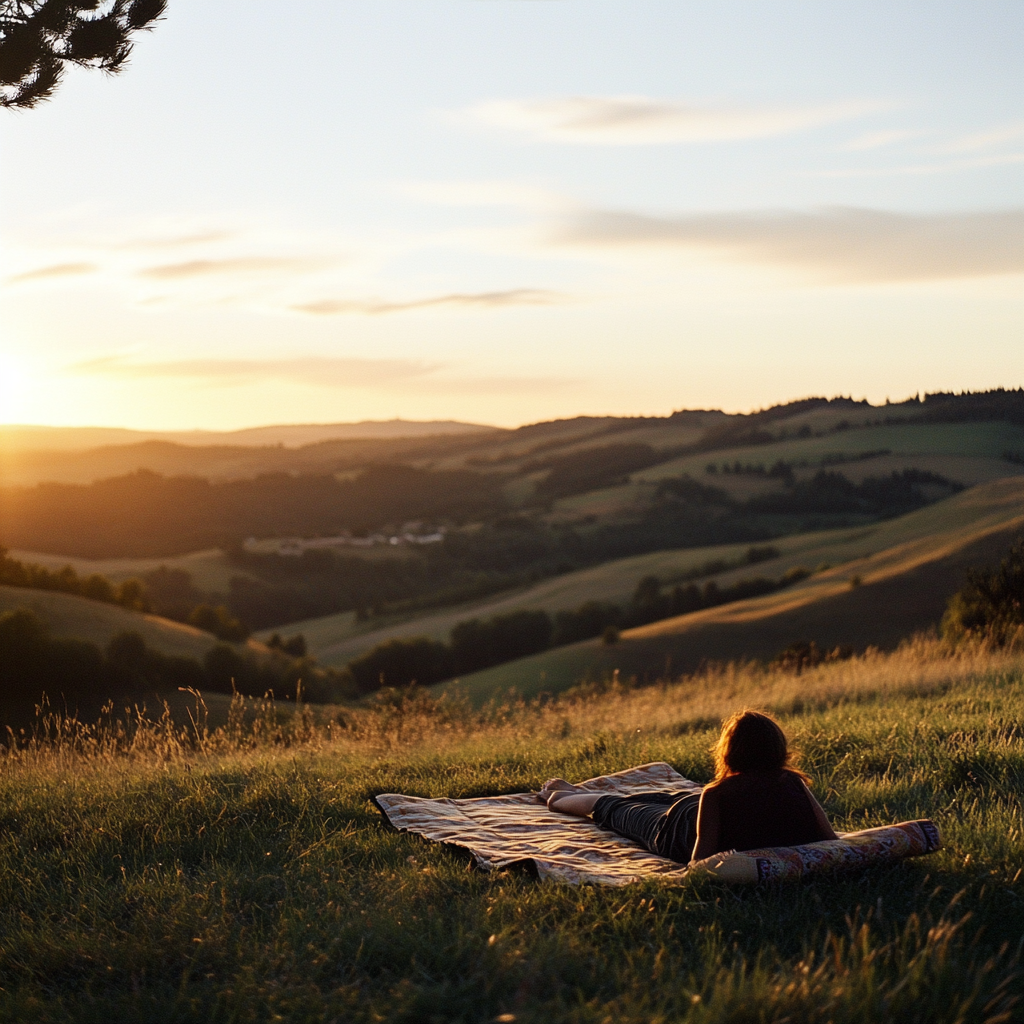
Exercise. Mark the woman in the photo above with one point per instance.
(757, 799)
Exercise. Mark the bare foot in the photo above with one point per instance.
(553, 789)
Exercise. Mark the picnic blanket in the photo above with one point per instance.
(500, 831)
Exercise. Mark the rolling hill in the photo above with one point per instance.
(545, 516)
(69, 616)
(337, 639)
(906, 569)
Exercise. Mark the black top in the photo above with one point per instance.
(759, 809)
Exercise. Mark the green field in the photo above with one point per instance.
(236, 880)
(907, 568)
(949, 448)
(336, 639)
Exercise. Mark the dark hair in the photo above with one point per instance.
(752, 741)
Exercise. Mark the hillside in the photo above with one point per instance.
(380, 530)
(246, 875)
(336, 639)
(907, 570)
(70, 616)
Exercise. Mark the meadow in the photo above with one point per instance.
(165, 874)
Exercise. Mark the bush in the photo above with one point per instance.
(227, 671)
(480, 643)
(398, 663)
(807, 654)
(591, 619)
(220, 622)
(293, 645)
(33, 663)
(991, 605)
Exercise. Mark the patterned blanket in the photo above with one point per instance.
(503, 830)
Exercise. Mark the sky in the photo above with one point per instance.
(504, 211)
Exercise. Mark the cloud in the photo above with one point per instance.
(482, 193)
(239, 265)
(876, 140)
(57, 270)
(982, 140)
(940, 167)
(402, 375)
(837, 244)
(180, 241)
(324, 371)
(494, 385)
(641, 120)
(485, 300)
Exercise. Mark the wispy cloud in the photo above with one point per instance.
(478, 300)
(876, 140)
(234, 266)
(923, 169)
(836, 244)
(482, 193)
(55, 270)
(642, 120)
(323, 371)
(983, 140)
(397, 375)
(179, 241)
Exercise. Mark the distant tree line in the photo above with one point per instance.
(831, 493)
(999, 404)
(138, 595)
(593, 468)
(129, 593)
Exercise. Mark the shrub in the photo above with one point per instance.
(591, 619)
(220, 622)
(480, 643)
(34, 663)
(399, 662)
(294, 645)
(991, 605)
(807, 654)
(795, 574)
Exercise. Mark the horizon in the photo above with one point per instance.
(510, 213)
(467, 423)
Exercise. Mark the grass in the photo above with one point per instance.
(244, 875)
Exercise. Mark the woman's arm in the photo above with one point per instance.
(819, 815)
(707, 824)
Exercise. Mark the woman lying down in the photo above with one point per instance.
(756, 799)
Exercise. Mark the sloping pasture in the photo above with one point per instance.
(905, 570)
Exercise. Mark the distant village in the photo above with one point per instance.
(409, 534)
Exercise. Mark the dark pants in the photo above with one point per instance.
(664, 823)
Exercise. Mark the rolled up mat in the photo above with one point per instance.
(852, 850)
